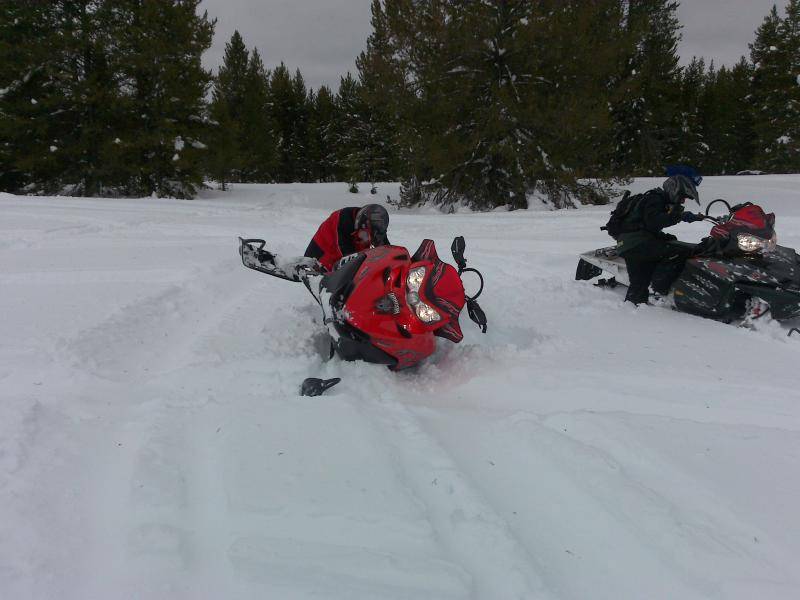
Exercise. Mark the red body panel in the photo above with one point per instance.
(401, 335)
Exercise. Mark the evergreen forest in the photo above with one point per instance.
(475, 102)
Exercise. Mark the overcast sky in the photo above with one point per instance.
(323, 37)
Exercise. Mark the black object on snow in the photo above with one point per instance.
(313, 386)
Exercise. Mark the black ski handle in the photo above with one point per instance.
(313, 386)
(476, 314)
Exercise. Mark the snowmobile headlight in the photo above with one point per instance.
(415, 278)
(772, 244)
(426, 314)
(751, 243)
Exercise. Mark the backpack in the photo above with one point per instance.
(617, 223)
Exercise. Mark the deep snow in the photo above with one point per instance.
(153, 443)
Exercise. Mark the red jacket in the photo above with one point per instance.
(337, 237)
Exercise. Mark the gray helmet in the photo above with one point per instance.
(375, 219)
(680, 187)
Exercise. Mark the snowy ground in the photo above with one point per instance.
(153, 443)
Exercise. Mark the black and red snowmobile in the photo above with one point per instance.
(381, 305)
(737, 273)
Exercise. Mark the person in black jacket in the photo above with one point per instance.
(649, 256)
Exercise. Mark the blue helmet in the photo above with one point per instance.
(686, 171)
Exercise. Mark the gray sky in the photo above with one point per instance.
(323, 37)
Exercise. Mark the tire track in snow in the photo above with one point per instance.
(470, 530)
(155, 334)
(586, 505)
(701, 523)
(162, 477)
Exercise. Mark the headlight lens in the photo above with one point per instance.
(752, 243)
(415, 278)
(749, 243)
(426, 314)
(772, 243)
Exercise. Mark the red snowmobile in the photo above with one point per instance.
(380, 305)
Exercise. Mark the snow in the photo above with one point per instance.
(153, 443)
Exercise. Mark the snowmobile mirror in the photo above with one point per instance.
(480, 277)
(713, 202)
(458, 247)
(316, 387)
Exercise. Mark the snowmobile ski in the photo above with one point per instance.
(255, 257)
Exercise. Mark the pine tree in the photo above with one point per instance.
(29, 51)
(227, 107)
(575, 124)
(380, 130)
(223, 160)
(785, 150)
(771, 92)
(742, 138)
(323, 121)
(348, 131)
(257, 139)
(299, 139)
(60, 105)
(289, 110)
(690, 146)
(726, 120)
(165, 87)
(648, 115)
(241, 101)
(497, 110)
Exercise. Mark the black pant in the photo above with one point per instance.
(655, 262)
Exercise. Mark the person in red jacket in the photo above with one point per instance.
(349, 230)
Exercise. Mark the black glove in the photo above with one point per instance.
(690, 217)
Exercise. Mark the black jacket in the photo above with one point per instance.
(651, 214)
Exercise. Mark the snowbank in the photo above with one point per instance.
(153, 443)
